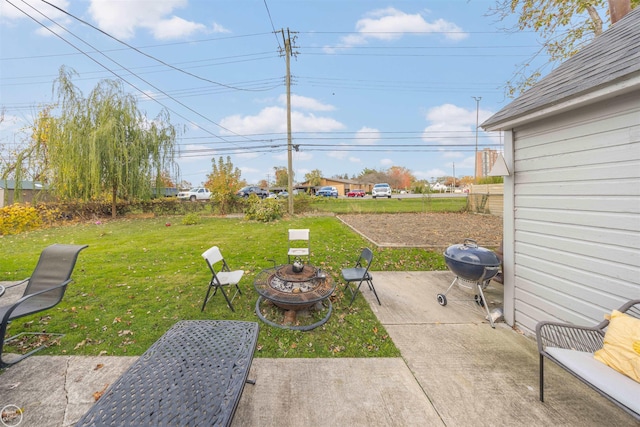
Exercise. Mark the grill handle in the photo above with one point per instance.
(471, 243)
(487, 271)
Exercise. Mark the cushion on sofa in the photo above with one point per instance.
(620, 343)
(609, 381)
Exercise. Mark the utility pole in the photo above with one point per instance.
(454, 178)
(288, 53)
(475, 159)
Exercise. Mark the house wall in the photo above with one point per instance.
(339, 185)
(577, 213)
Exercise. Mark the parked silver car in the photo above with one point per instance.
(327, 192)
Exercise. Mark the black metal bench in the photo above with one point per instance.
(571, 347)
(193, 375)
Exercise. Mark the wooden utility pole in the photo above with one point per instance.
(287, 48)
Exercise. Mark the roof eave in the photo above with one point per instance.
(621, 87)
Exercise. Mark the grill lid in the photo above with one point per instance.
(470, 253)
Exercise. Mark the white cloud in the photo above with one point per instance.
(305, 103)
(12, 123)
(38, 10)
(274, 119)
(248, 170)
(367, 135)
(355, 160)
(9, 13)
(392, 24)
(175, 28)
(122, 18)
(246, 155)
(451, 125)
(217, 28)
(340, 155)
(299, 156)
(386, 162)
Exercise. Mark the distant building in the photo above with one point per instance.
(484, 161)
(27, 191)
(342, 185)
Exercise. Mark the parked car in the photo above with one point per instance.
(327, 192)
(272, 196)
(198, 193)
(356, 193)
(283, 194)
(381, 190)
(164, 192)
(252, 189)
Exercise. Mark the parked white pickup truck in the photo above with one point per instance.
(194, 194)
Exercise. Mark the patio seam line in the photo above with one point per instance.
(424, 392)
(66, 390)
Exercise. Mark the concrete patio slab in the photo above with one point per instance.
(334, 392)
(455, 370)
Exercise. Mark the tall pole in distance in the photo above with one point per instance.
(287, 47)
(453, 189)
(475, 160)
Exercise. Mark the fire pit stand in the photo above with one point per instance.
(294, 291)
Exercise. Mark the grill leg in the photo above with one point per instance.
(484, 302)
(451, 285)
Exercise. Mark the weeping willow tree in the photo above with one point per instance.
(103, 145)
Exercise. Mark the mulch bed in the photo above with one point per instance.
(426, 230)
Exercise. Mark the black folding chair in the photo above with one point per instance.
(360, 273)
(45, 289)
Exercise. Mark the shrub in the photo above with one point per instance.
(191, 219)
(301, 203)
(17, 218)
(263, 210)
(491, 180)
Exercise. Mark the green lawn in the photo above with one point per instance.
(139, 276)
(397, 204)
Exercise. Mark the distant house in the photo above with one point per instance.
(342, 185)
(28, 192)
(572, 197)
(438, 186)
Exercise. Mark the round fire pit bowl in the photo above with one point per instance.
(294, 292)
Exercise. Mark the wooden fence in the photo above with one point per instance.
(487, 198)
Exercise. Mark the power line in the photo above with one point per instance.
(139, 51)
(115, 74)
(272, 26)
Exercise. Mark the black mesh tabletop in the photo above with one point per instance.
(192, 376)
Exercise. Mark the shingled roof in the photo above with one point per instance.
(611, 58)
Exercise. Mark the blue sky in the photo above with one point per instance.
(375, 84)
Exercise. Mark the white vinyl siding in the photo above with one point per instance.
(577, 213)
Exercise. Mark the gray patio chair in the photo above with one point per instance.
(45, 289)
(360, 273)
(296, 249)
(223, 277)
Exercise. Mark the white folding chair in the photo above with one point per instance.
(295, 249)
(223, 277)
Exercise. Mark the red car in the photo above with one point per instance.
(356, 193)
